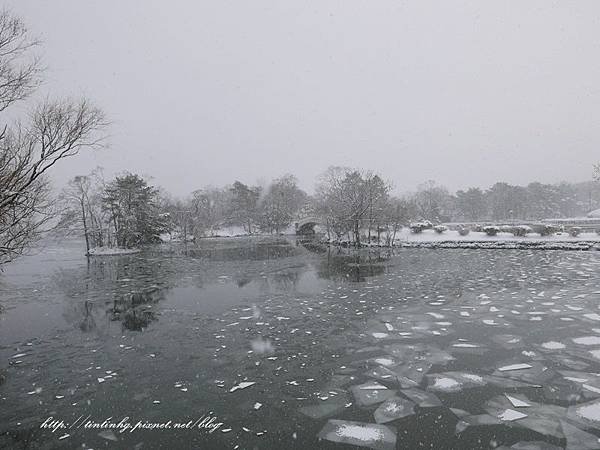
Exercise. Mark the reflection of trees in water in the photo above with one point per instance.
(130, 284)
(352, 265)
(104, 276)
(313, 246)
(243, 281)
(284, 280)
(88, 323)
(245, 250)
(132, 309)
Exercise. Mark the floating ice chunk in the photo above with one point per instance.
(508, 341)
(588, 413)
(510, 415)
(578, 439)
(446, 385)
(389, 326)
(371, 386)
(553, 345)
(592, 316)
(533, 445)
(473, 378)
(435, 315)
(542, 418)
(506, 383)
(380, 335)
(384, 361)
(380, 437)
(242, 385)
(460, 412)
(257, 405)
(515, 367)
(325, 408)
(516, 402)
(392, 409)
(421, 398)
(453, 381)
(587, 340)
(489, 322)
(476, 421)
(371, 393)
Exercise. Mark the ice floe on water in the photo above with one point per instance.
(553, 345)
(587, 340)
(514, 367)
(454, 381)
(242, 385)
(517, 402)
(394, 408)
(375, 436)
(510, 415)
(371, 393)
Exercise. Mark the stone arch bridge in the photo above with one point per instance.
(306, 225)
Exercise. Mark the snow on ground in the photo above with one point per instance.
(405, 235)
(452, 239)
(111, 251)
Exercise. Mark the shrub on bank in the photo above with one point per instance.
(439, 229)
(521, 230)
(463, 231)
(575, 231)
(491, 230)
(544, 229)
(418, 227)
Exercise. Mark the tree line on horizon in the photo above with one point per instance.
(127, 212)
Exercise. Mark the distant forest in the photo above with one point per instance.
(126, 211)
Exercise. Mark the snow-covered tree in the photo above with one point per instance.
(281, 203)
(133, 211)
(243, 207)
(209, 209)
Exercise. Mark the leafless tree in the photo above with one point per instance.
(29, 148)
(348, 199)
(82, 211)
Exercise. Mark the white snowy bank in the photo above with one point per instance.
(223, 232)
(480, 240)
(112, 251)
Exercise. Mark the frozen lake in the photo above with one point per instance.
(297, 346)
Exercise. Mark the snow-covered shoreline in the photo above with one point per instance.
(480, 240)
(112, 251)
(505, 244)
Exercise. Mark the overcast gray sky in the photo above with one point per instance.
(463, 92)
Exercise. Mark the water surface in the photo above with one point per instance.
(168, 333)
